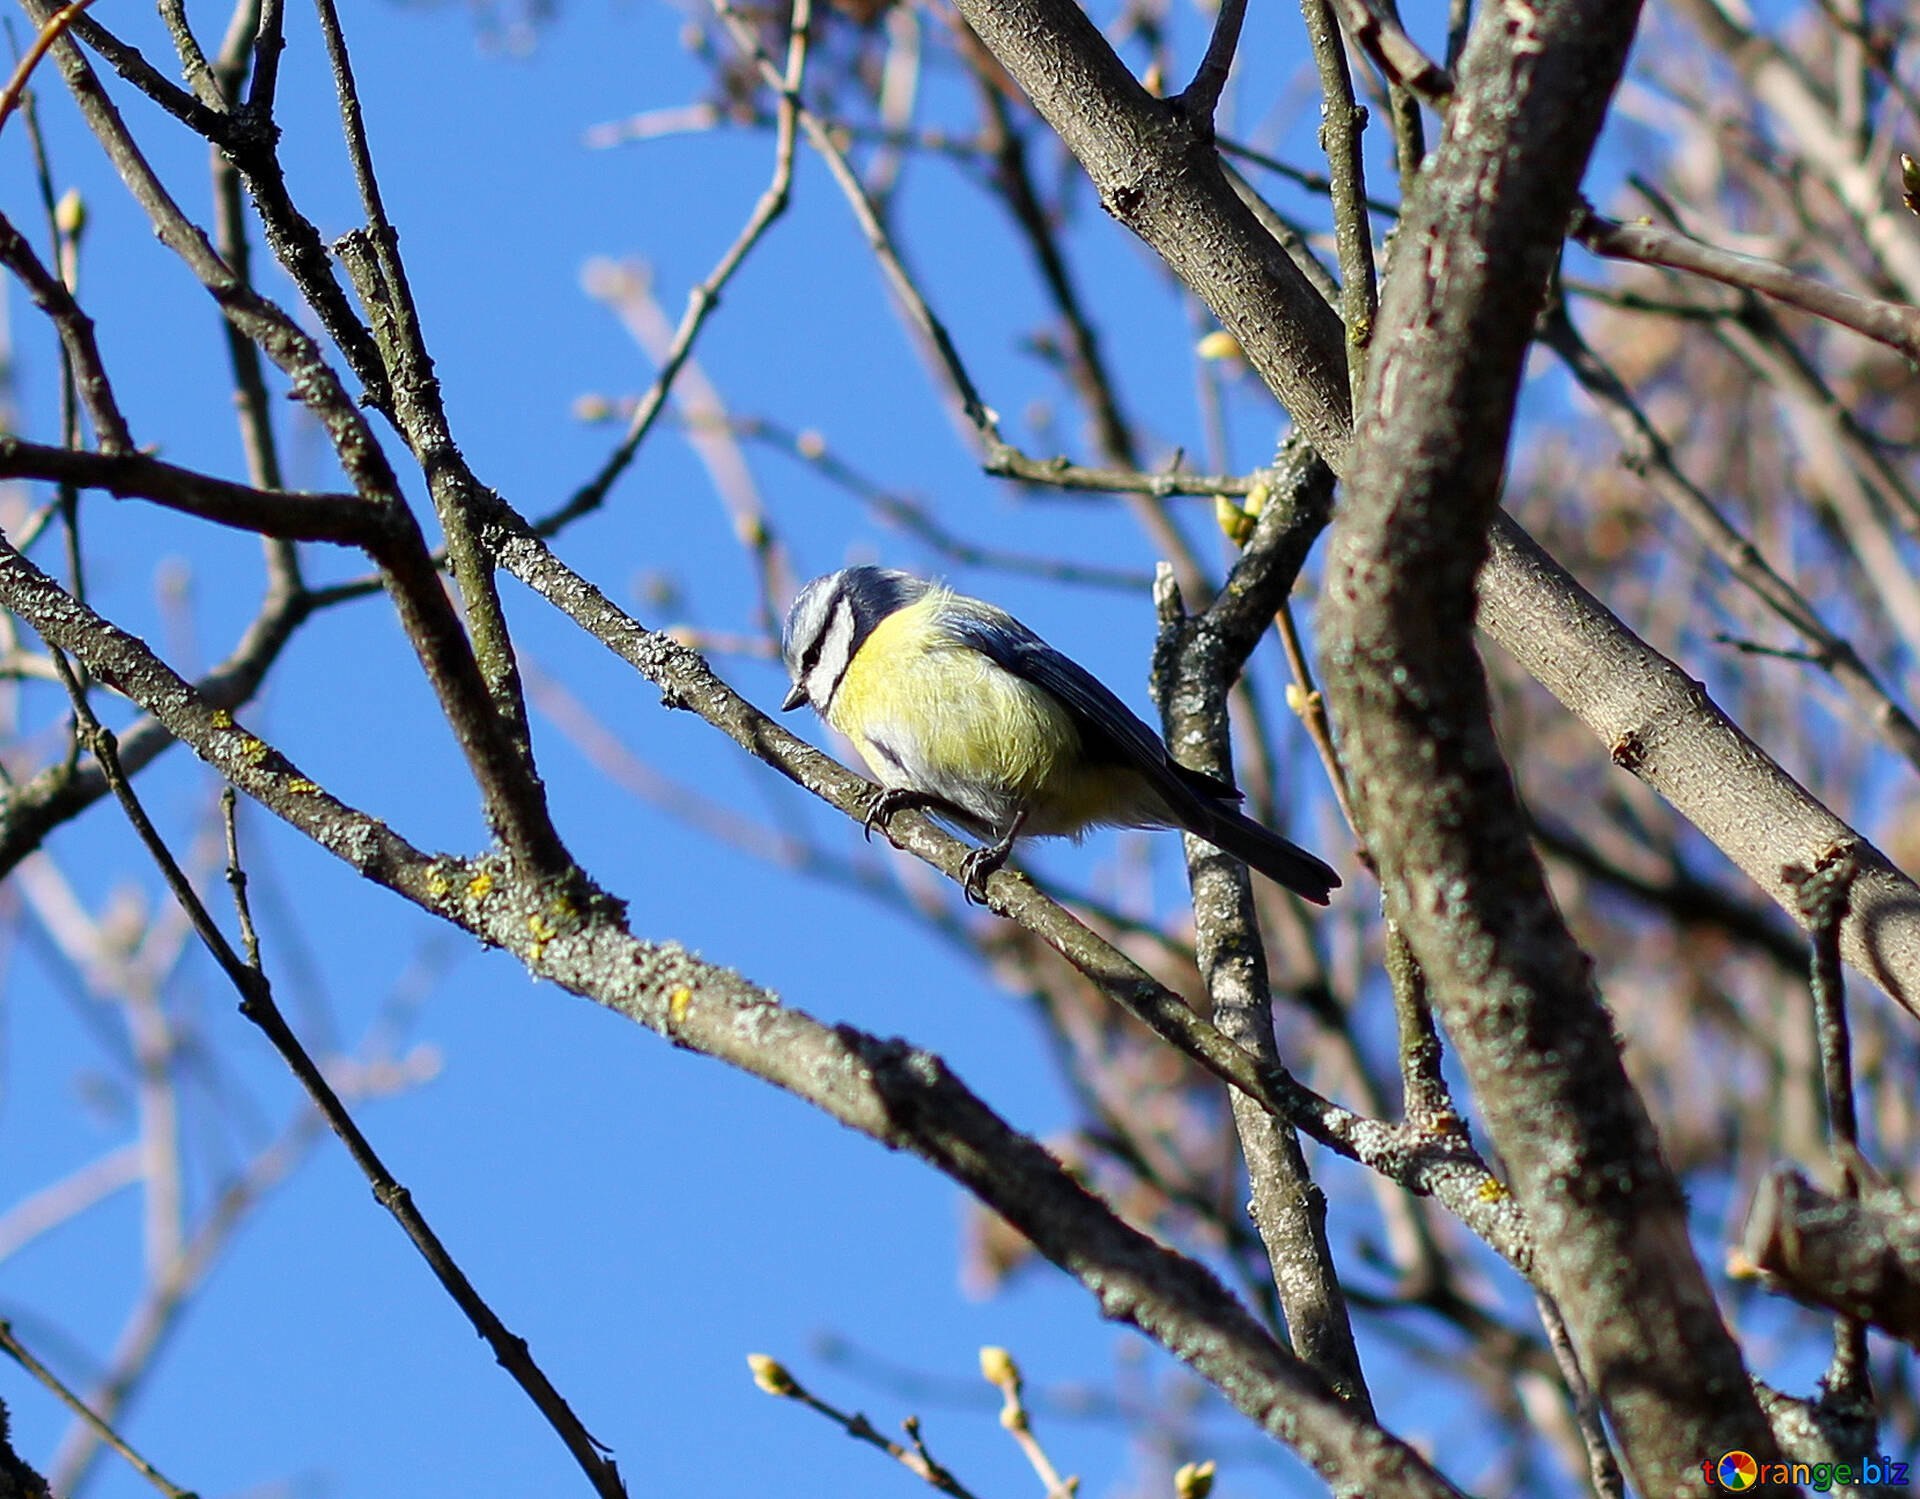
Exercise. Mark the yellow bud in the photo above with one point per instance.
(771, 1375)
(592, 407)
(1194, 1480)
(70, 214)
(1235, 524)
(998, 1368)
(810, 444)
(1220, 344)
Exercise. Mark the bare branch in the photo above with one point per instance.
(75, 328)
(257, 1004)
(1890, 323)
(775, 1379)
(343, 519)
(10, 1343)
(705, 297)
(1859, 1257)
(1437, 806)
(1823, 903)
(1378, 33)
(1196, 663)
(1201, 97)
(50, 31)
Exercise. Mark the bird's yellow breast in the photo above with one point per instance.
(914, 690)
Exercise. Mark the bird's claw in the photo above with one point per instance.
(885, 803)
(976, 869)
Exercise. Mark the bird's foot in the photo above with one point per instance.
(890, 800)
(977, 867)
(982, 862)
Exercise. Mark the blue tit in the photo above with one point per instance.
(960, 709)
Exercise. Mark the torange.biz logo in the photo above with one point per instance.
(1739, 1471)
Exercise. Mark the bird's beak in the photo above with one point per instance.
(796, 695)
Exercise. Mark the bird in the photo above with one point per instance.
(960, 710)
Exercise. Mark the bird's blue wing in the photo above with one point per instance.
(1109, 727)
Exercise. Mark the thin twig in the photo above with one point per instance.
(1603, 1467)
(705, 297)
(193, 58)
(1007, 462)
(1201, 97)
(258, 1005)
(1313, 182)
(627, 290)
(898, 510)
(1890, 323)
(999, 1370)
(49, 33)
(774, 1378)
(695, 119)
(16, 1350)
(1310, 707)
(1088, 371)
(75, 329)
(1341, 124)
(1425, 1099)
(1823, 896)
(820, 135)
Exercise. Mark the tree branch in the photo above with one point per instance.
(1437, 807)
(1858, 1257)
(343, 519)
(1890, 323)
(1196, 663)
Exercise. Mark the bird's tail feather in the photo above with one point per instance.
(1282, 861)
